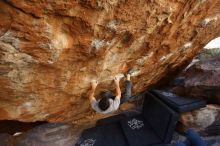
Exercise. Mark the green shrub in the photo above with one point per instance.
(206, 54)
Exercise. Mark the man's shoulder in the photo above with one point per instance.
(115, 103)
(117, 98)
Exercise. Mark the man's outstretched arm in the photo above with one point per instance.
(92, 91)
(118, 90)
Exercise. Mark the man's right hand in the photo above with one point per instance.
(94, 84)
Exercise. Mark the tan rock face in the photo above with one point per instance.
(205, 120)
(50, 50)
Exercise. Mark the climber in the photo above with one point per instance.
(110, 102)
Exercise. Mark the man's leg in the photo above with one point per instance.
(128, 86)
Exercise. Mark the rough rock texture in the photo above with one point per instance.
(50, 134)
(55, 134)
(202, 80)
(50, 50)
(205, 120)
(6, 139)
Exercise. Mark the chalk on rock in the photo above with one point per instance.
(134, 72)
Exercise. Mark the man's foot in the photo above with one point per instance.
(94, 83)
(130, 71)
(128, 77)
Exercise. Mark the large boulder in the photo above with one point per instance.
(203, 80)
(51, 134)
(206, 120)
(51, 50)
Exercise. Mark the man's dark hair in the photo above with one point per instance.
(104, 103)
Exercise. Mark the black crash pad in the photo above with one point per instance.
(110, 120)
(178, 103)
(92, 136)
(138, 132)
(160, 117)
(106, 135)
(113, 135)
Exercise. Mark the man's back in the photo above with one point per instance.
(113, 105)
